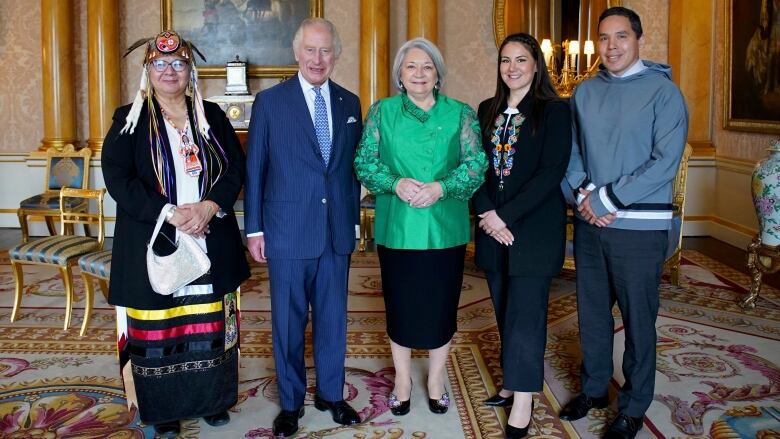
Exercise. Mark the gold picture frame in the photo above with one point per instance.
(214, 24)
(751, 100)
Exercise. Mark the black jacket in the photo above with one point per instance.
(531, 203)
(131, 181)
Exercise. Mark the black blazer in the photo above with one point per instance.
(531, 203)
(131, 181)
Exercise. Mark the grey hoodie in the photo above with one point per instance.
(628, 137)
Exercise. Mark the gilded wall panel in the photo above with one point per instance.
(21, 94)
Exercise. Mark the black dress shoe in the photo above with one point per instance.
(439, 406)
(286, 422)
(623, 427)
(513, 432)
(499, 401)
(218, 419)
(578, 407)
(167, 430)
(342, 413)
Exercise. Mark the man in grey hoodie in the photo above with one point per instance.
(630, 127)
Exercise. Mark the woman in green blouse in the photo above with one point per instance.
(421, 156)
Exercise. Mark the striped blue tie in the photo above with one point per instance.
(321, 124)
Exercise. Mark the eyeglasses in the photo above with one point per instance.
(161, 65)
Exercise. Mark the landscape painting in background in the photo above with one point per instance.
(752, 66)
(259, 32)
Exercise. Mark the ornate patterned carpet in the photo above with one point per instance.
(718, 367)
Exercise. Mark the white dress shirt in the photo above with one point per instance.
(309, 94)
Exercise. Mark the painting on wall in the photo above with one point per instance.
(752, 66)
(259, 32)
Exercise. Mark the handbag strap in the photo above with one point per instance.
(158, 226)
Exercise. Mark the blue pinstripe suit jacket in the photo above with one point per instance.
(291, 195)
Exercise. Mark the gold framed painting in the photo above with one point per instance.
(259, 32)
(752, 66)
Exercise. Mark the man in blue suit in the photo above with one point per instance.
(302, 201)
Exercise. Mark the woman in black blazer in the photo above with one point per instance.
(170, 149)
(522, 228)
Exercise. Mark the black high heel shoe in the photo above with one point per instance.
(441, 405)
(500, 401)
(517, 433)
(400, 408)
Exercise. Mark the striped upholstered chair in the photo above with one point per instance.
(64, 168)
(61, 251)
(94, 266)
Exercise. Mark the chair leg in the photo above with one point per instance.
(674, 263)
(19, 282)
(104, 287)
(90, 294)
(87, 232)
(676, 274)
(67, 278)
(23, 224)
(50, 225)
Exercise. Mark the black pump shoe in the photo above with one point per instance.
(517, 433)
(499, 401)
(167, 430)
(441, 405)
(399, 408)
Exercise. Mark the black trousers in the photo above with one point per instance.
(521, 313)
(622, 266)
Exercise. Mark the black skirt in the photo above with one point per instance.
(421, 290)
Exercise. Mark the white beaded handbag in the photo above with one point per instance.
(169, 273)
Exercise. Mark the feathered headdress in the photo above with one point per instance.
(166, 43)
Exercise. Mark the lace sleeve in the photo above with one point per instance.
(370, 170)
(462, 181)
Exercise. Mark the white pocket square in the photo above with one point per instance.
(351, 119)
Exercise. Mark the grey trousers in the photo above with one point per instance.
(622, 266)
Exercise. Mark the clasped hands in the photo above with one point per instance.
(193, 218)
(417, 193)
(588, 215)
(494, 226)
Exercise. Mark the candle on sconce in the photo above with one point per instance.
(588, 50)
(547, 50)
(574, 50)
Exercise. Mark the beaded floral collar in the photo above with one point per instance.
(506, 126)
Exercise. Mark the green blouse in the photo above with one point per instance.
(443, 144)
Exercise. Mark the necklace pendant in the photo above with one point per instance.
(501, 186)
(192, 165)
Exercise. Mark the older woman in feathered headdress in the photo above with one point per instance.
(171, 151)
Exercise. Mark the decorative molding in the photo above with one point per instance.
(739, 166)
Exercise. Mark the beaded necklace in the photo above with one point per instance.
(503, 153)
(188, 150)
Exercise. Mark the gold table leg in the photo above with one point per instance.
(761, 259)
